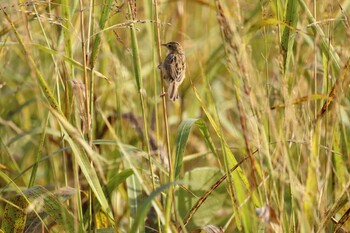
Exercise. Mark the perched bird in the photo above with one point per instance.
(173, 68)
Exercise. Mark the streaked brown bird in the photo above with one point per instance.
(173, 68)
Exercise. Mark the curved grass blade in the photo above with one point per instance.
(134, 188)
(75, 140)
(38, 152)
(35, 204)
(44, 201)
(14, 218)
(144, 208)
(182, 137)
(117, 179)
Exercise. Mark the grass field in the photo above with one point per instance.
(257, 142)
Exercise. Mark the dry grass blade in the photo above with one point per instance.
(339, 203)
(345, 218)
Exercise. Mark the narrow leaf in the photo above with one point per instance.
(289, 32)
(182, 137)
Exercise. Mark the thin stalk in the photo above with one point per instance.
(315, 60)
(87, 120)
(87, 115)
(138, 77)
(92, 77)
(91, 103)
(69, 70)
(66, 34)
(166, 126)
(78, 203)
(38, 153)
(95, 48)
(150, 12)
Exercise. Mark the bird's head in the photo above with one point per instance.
(173, 46)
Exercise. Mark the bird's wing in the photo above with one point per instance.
(175, 65)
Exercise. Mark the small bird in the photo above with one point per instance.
(173, 68)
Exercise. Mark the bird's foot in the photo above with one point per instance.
(163, 94)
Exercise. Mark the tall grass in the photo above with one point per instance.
(257, 142)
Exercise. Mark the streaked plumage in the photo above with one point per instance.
(173, 68)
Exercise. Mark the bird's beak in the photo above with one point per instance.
(164, 45)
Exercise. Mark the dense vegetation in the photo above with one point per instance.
(257, 142)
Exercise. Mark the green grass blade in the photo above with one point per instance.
(182, 137)
(38, 152)
(312, 181)
(66, 32)
(134, 188)
(91, 176)
(340, 168)
(144, 208)
(288, 35)
(136, 57)
(181, 140)
(106, 6)
(117, 179)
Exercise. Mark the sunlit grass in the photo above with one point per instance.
(258, 140)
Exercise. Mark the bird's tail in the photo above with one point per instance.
(173, 91)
